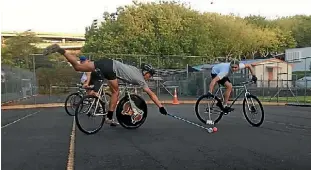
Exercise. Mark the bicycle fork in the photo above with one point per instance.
(138, 113)
(252, 109)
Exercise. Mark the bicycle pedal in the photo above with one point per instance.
(226, 113)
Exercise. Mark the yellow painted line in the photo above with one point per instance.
(29, 106)
(71, 155)
(148, 102)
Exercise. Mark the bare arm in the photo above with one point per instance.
(152, 96)
(250, 68)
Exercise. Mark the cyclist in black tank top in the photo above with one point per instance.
(110, 69)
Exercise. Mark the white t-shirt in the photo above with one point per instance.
(223, 69)
(83, 78)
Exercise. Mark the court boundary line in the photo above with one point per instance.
(71, 152)
(22, 118)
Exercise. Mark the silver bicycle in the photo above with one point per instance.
(214, 113)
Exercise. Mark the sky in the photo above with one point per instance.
(72, 16)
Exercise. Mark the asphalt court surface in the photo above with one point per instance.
(40, 139)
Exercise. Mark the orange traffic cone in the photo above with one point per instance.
(175, 100)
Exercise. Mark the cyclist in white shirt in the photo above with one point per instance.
(220, 74)
(90, 78)
(83, 78)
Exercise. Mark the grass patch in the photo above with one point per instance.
(287, 99)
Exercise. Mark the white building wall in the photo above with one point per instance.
(281, 73)
(296, 55)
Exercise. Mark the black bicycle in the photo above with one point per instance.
(73, 99)
(214, 114)
(131, 111)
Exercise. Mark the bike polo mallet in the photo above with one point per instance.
(210, 130)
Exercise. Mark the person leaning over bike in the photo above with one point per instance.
(110, 69)
(220, 74)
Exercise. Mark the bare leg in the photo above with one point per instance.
(114, 88)
(72, 58)
(227, 92)
(85, 67)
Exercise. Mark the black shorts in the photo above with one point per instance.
(95, 81)
(221, 81)
(106, 68)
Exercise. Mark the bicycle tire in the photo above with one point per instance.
(66, 103)
(197, 109)
(77, 113)
(262, 111)
(125, 120)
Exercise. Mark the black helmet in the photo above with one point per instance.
(234, 62)
(147, 68)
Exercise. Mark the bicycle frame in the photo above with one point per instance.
(101, 97)
(245, 91)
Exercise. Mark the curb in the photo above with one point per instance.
(301, 105)
(50, 105)
(17, 100)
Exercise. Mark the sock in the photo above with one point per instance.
(61, 51)
(110, 114)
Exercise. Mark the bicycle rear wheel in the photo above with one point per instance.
(71, 103)
(249, 104)
(90, 108)
(206, 109)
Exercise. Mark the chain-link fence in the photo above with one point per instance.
(188, 75)
(17, 83)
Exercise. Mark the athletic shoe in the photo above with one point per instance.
(111, 122)
(228, 109)
(51, 49)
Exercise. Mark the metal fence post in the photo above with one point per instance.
(305, 96)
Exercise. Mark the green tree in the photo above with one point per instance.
(17, 51)
(299, 26)
(160, 29)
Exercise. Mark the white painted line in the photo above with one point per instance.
(20, 119)
(70, 161)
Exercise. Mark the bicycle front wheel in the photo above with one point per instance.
(253, 106)
(90, 114)
(207, 111)
(124, 111)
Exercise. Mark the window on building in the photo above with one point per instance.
(293, 56)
